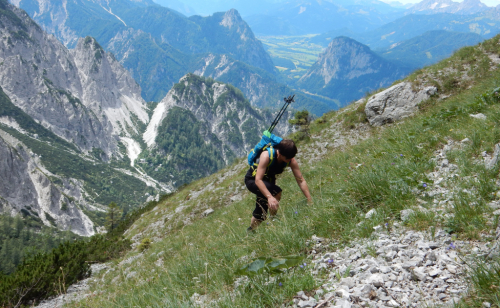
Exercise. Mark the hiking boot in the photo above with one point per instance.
(250, 230)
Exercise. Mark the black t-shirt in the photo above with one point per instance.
(273, 170)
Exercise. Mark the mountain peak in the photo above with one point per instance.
(231, 18)
(448, 6)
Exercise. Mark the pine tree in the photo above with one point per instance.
(113, 216)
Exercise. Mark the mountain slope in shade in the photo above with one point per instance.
(429, 47)
(347, 70)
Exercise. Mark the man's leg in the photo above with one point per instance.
(254, 223)
(261, 204)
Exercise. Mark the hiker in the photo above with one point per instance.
(261, 180)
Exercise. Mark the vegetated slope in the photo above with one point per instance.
(22, 237)
(350, 168)
(429, 48)
(199, 127)
(159, 45)
(346, 70)
(410, 26)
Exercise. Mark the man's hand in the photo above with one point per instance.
(273, 203)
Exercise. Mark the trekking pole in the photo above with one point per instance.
(288, 100)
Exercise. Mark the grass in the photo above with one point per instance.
(201, 255)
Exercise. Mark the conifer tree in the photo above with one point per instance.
(301, 121)
(113, 216)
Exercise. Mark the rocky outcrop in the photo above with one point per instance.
(216, 104)
(84, 96)
(395, 103)
(27, 189)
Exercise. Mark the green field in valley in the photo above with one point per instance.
(292, 55)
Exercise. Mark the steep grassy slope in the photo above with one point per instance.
(350, 168)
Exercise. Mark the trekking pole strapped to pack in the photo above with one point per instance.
(288, 100)
(268, 140)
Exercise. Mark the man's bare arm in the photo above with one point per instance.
(261, 171)
(300, 179)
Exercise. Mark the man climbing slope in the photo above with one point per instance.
(261, 179)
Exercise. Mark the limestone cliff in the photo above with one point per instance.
(347, 69)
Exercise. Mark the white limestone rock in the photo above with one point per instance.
(395, 103)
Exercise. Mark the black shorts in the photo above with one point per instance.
(261, 204)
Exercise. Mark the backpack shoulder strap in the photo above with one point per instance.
(272, 155)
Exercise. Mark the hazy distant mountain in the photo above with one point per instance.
(486, 24)
(206, 8)
(347, 70)
(177, 5)
(429, 48)
(297, 17)
(465, 7)
(400, 5)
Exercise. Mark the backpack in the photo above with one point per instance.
(267, 142)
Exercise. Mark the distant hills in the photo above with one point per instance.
(465, 7)
(298, 17)
(486, 24)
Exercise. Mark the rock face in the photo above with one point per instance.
(80, 108)
(395, 103)
(27, 188)
(225, 120)
(347, 70)
(84, 95)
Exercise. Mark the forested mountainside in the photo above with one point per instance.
(347, 69)
(201, 126)
(168, 46)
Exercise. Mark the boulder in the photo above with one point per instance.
(395, 103)
(491, 163)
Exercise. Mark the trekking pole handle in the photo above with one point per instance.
(288, 100)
